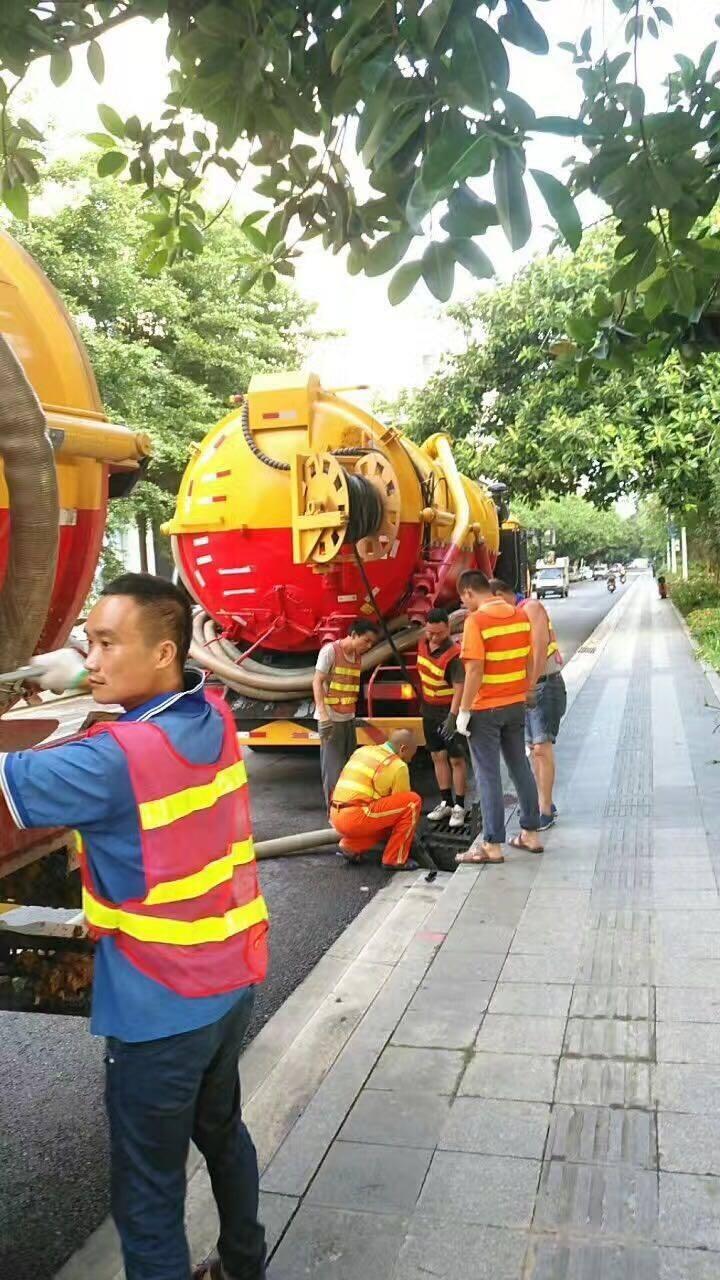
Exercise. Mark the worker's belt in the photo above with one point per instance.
(349, 804)
(552, 675)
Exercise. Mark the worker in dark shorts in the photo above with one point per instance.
(442, 676)
(547, 703)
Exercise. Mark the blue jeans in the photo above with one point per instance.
(160, 1094)
(502, 729)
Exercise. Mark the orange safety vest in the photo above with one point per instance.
(368, 775)
(507, 645)
(431, 669)
(201, 927)
(344, 685)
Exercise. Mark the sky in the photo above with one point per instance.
(383, 347)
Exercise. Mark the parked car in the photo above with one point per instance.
(586, 573)
(599, 571)
(551, 582)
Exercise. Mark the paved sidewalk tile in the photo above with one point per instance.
(527, 1078)
(431, 1070)
(407, 1118)
(327, 1244)
(690, 1211)
(512, 1033)
(679, 1087)
(690, 1042)
(603, 1135)
(689, 1144)
(366, 1176)
(496, 1127)
(599, 1200)
(531, 998)
(550, 1260)
(439, 1251)
(493, 1190)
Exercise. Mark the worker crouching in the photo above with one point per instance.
(373, 799)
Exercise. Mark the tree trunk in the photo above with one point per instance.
(142, 537)
(31, 481)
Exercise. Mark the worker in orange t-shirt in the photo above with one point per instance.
(497, 652)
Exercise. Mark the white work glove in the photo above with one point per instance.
(463, 723)
(59, 671)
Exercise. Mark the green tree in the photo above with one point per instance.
(525, 418)
(169, 352)
(582, 531)
(424, 91)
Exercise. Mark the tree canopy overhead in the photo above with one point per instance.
(525, 418)
(423, 90)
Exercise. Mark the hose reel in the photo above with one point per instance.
(353, 500)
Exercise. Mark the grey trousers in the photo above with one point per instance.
(335, 752)
(502, 729)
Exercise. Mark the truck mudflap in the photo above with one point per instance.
(292, 734)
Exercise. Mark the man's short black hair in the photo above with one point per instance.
(473, 580)
(166, 608)
(438, 615)
(497, 585)
(363, 627)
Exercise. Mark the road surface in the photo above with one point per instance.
(53, 1141)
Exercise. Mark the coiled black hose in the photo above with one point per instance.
(250, 442)
(366, 509)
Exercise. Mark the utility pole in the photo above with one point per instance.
(683, 552)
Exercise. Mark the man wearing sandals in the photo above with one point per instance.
(497, 652)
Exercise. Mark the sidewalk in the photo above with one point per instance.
(515, 1075)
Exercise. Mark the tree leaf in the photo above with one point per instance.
(255, 236)
(520, 27)
(17, 201)
(683, 291)
(467, 214)
(510, 197)
(561, 206)
(473, 258)
(111, 162)
(401, 126)
(102, 140)
(419, 203)
(438, 269)
(191, 237)
(635, 269)
(566, 126)
(269, 280)
(491, 52)
(60, 66)
(433, 20)
(404, 281)
(111, 120)
(387, 253)
(96, 61)
(663, 15)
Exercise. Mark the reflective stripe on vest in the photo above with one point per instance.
(431, 669)
(179, 933)
(552, 640)
(198, 858)
(358, 780)
(505, 667)
(344, 685)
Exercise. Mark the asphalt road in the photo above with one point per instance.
(53, 1141)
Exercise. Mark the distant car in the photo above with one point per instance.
(599, 571)
(550, 582)
(586, 573)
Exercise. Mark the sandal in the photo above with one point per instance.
(517, 842)
(476, 858)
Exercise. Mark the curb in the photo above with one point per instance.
(346, 1008)
(711, 675)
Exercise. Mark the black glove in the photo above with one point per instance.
(448, 728)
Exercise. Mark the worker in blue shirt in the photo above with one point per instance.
(159, 799)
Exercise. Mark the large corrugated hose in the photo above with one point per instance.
(31, 480)
(254, 680)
